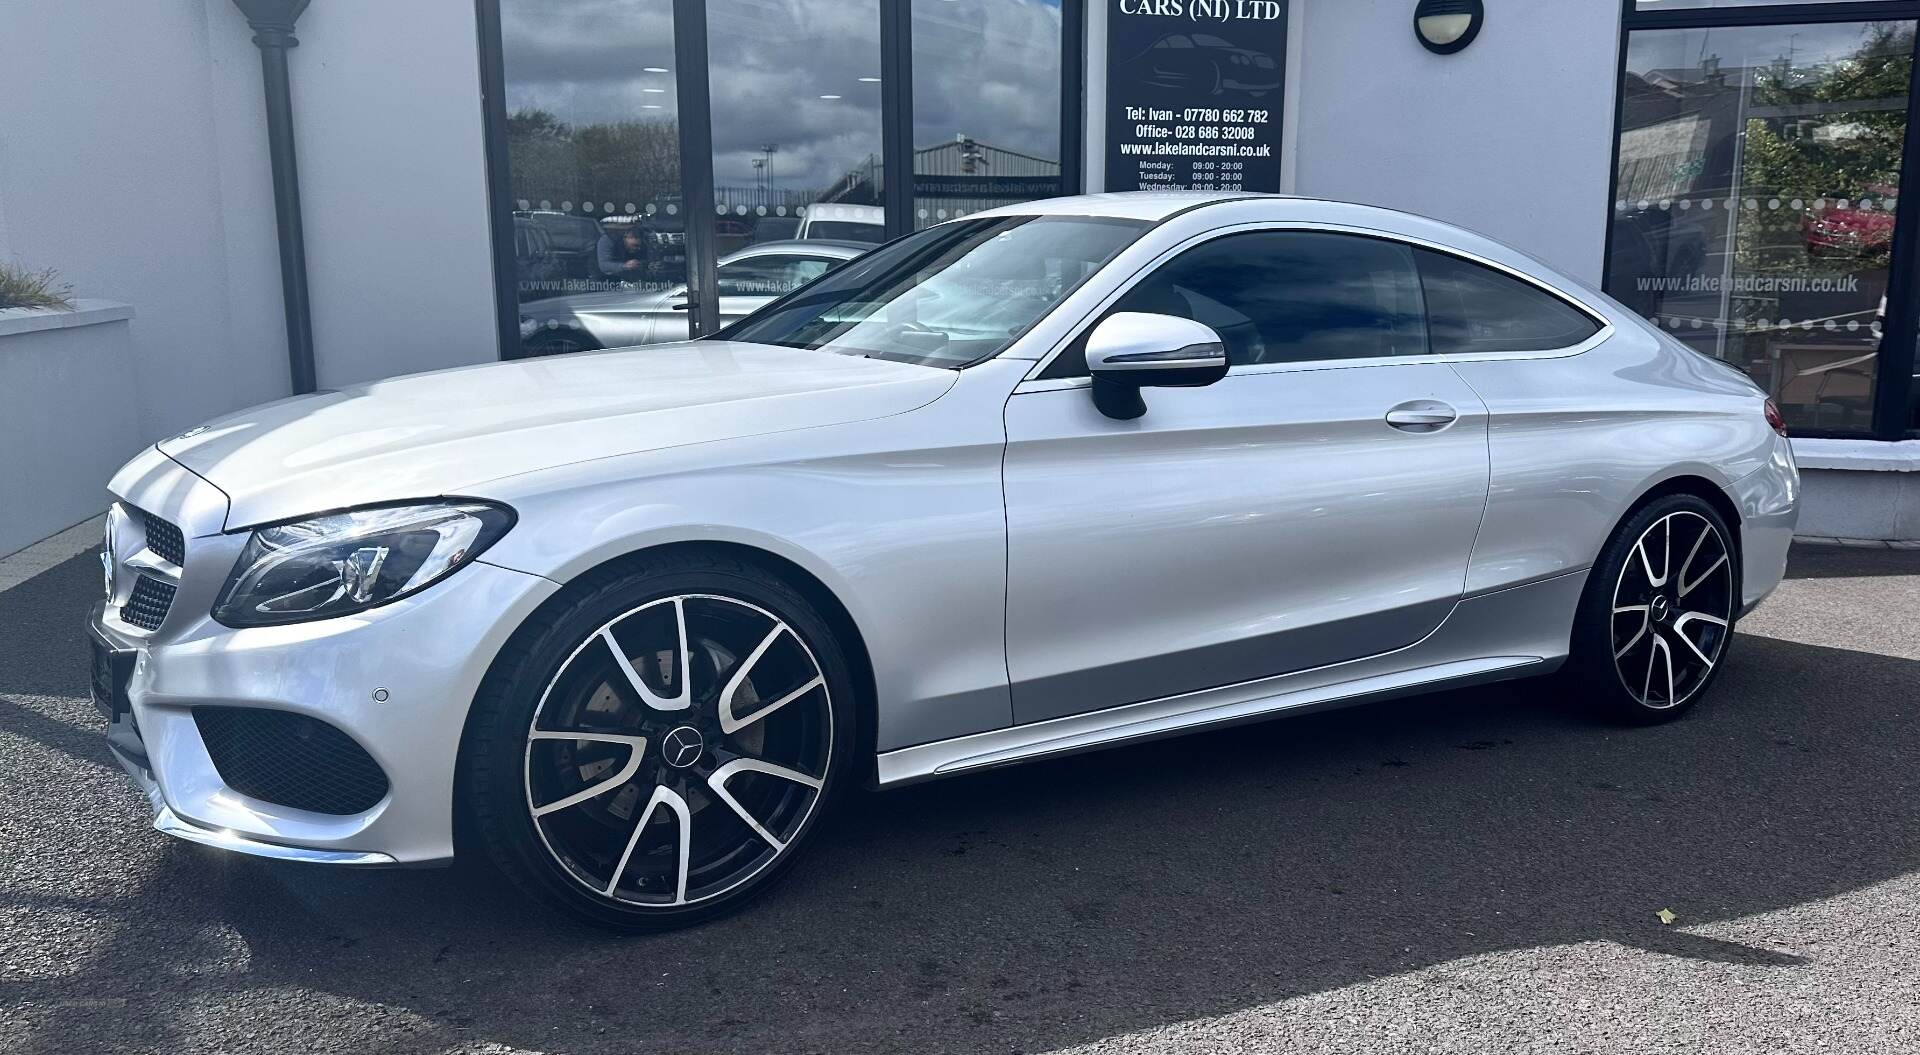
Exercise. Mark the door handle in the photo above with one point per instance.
(678, 305)
(1422, 415)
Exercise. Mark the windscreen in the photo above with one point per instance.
(948, 296)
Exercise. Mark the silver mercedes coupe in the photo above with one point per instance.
(1050, 478)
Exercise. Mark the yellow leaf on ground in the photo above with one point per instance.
(1666, 916)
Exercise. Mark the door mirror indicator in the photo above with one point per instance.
(1131, 350)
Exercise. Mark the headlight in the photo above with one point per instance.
(349, 562)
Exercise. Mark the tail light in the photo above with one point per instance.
(1778, 423)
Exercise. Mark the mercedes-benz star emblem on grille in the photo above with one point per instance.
(682, 746)
(108, 559)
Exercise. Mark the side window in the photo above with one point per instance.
(1471, 308)
(1287, 297)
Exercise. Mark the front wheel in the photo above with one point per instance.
(652, 750)
(1658, 612)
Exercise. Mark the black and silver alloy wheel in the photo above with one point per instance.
(678, 750)
(1672, 607)
(681, 739)
(1659, 611)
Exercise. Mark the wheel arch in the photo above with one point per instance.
(1699, 487)
(810, 586)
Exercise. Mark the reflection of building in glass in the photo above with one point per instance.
(967, 175)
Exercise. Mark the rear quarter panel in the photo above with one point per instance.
(1575, 441)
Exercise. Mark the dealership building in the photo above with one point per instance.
(439, 183)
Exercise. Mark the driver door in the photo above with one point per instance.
(1272, 522)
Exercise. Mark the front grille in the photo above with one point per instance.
(164, 539)
(148, 605)
(290, 759)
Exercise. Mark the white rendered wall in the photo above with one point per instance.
(133, 159)
(1512, 137)
(393, 172)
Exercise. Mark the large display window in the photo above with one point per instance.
(1757, 206)
(647, 154)
(986, 105)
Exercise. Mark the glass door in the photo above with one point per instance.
(986, 105)
(593, 172)
(796, 155)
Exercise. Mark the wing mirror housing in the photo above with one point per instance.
(1132, 350)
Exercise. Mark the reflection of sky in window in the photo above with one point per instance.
(988, 69)
(1679, 52)
(773, 60)
(1675, 5)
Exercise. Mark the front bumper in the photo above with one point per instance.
(397, 680)
(133, 759)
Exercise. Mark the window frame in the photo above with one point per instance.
(696, 155)
(1896, 393)
(1037, 379)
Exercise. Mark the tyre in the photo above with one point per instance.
(1658, 612)
(654, 748)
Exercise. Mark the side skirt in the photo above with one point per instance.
(1525, 628)
(1175, 715)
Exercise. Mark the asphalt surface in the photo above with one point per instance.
(1470, 872)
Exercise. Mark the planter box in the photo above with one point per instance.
(1859, 489)
(67, 415)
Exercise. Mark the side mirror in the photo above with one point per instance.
(1131, 350)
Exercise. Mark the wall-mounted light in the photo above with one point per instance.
(1446, 26)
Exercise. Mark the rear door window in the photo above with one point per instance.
(1472, 308)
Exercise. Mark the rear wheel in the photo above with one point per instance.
(653, 751)
(1658, 612)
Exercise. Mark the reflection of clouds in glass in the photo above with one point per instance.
(586, 63)
(770, 63)
(989, 69)
(1737, 48)
(582, 59)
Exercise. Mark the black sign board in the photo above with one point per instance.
(1193, 94)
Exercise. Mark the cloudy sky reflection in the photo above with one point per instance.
(789, 74)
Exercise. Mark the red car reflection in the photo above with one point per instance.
(1847, 231)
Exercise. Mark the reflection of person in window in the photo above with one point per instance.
(623, 256)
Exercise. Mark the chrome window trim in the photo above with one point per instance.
(1033, 378)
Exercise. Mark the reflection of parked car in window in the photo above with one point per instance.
(534, 262)
(573, 239)
(1655, 243)
(846, 223)
(1207, 63)
(1847, 230)
(629, 315)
